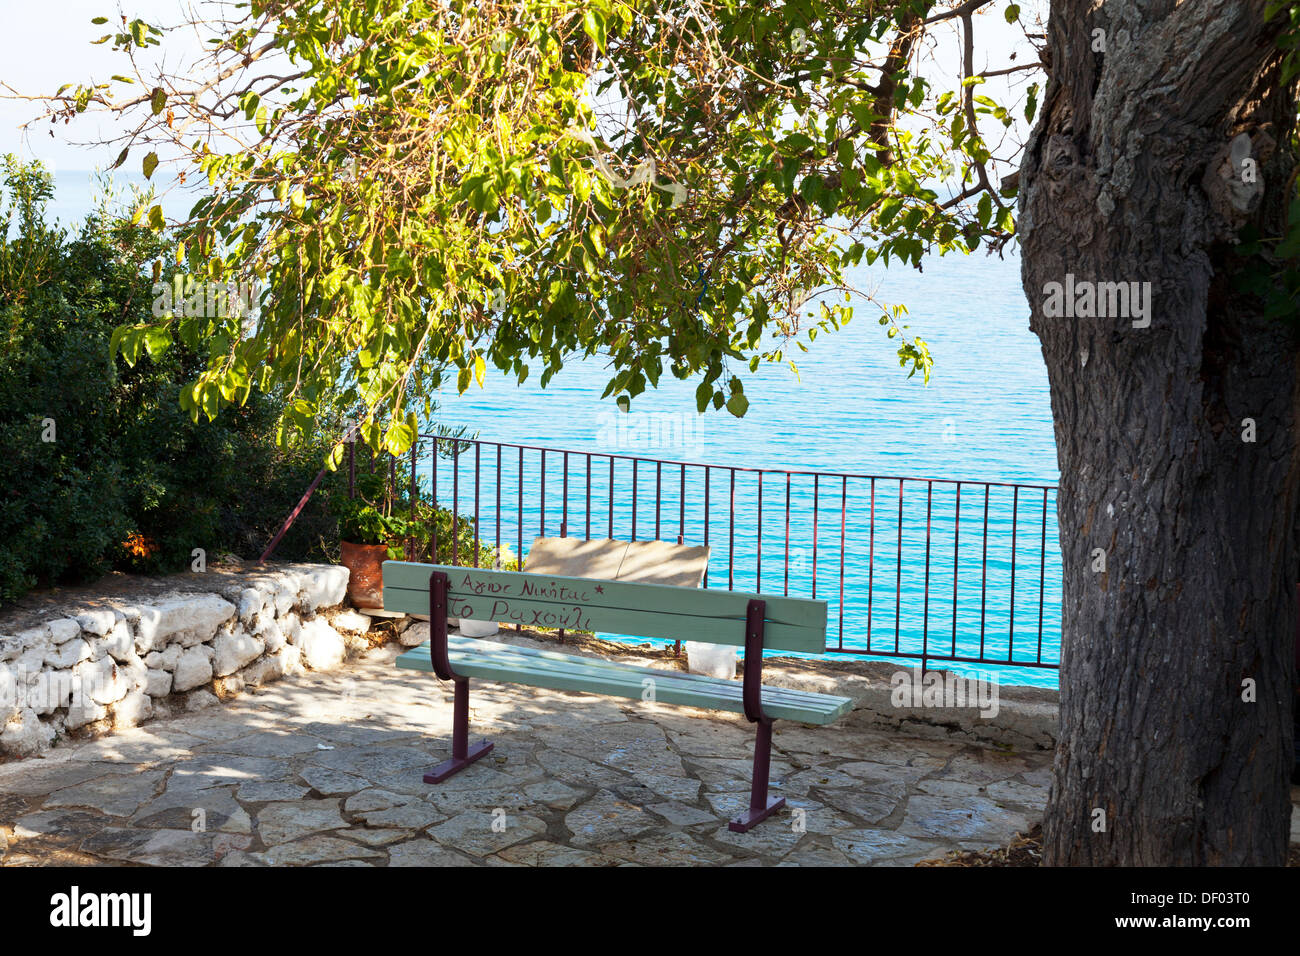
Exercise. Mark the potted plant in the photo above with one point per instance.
(429, 524)
(368, 530)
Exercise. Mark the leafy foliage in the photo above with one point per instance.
(101, 469)
(427, 188)
(379, 514)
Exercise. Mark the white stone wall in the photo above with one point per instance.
(124, 662)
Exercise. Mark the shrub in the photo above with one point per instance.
(99, 466)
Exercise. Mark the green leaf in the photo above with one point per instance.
(156, 220)
(702, 395)
(1012, 13)
(1031, 102)
(158, 100)
(156, 341)
(150, 164)
(738, 404)
(593, 24)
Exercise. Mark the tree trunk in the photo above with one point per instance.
(1177, 665)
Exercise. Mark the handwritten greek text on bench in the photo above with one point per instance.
(548, 592)
(570, 617)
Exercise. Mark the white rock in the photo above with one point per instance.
(103, 681)
(273, 666)
(147, 626)
(158, 683)
(350, 620)
(261, 671)
(30, 663)
(65, 655)
(118, 643)
(63, 629)
(135, 673)
(415, 635)
(291, 626)
(84, 711)
(50, 690)
(97, 623)
(272, 636)
(290, 659)
(8, 695)
(286, 595)
(185, 619)
(25, 734)
(234, 650)
(33, 637)
(251, 602)
(322, 646)
(133, 710)
(10, 647)
(192, 670)
(171, 656)
(321, 585)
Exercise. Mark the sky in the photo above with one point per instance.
(47, 44)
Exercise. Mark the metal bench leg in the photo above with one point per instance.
(462, 755)
(761, 806)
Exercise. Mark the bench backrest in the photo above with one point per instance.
(614, 607)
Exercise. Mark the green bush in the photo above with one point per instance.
(99, 467)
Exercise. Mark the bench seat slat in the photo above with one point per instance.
(631, 686)
(615, 672)
(669, 688)
(471, 645)
(503, 662)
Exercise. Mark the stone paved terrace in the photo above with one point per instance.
(325, 769)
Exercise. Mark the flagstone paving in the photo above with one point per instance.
(326, 770)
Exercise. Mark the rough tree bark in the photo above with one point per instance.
(1130, 176)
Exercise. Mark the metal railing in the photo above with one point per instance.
(931, 570)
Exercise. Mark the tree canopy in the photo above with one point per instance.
(424, 189)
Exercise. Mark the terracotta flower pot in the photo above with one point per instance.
(365, 564)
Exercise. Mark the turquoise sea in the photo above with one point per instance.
(984, 417)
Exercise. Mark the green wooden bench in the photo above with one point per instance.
(754, 621)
